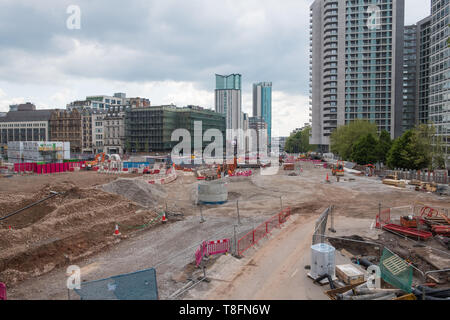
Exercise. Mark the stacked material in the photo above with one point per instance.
(396, 183)
(362, 292)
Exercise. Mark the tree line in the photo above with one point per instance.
(417, 148)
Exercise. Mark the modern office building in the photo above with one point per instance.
(423, 30)
(262, 104)
(260, 126)
(189, 116)
(25, 124)
(409, 78)
(356, 65)
(102, 102)
(228, 100)
(439, 86)
(150, 129)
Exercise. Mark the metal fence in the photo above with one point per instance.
(140, 285)
(438, 176)
(212, 248)
(389, 215)
(321, 226)
(254, 236)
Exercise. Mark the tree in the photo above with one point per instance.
(416, 149)
(384, 145)
(344, 137)
(365, 150)
(128, 146)
(398, 156)
(299, 142)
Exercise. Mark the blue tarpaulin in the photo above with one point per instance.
(139, 285)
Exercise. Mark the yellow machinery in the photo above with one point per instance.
(338, 169)
(99, 158)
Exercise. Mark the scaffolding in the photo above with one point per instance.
(150, 129)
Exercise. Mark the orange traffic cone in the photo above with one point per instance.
(328, 180)
(164, 219)
(117, 232)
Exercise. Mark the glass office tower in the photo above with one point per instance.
(262, 104)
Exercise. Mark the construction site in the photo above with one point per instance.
(314, 230)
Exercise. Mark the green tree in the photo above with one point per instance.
(128, 146)
(344, 137)
(399, 155)
(365, 150)
(383, 146)
(299, 142)
(416, 149)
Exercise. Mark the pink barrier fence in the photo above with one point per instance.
(46, 168)
(218, 247)
(244, 174)
(212, 248)
(254, 236)
(2, 291)
(200, 253)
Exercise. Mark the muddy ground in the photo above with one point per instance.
(75, 227)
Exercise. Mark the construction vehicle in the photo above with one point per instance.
(338, 169)
(370, 170)
(99, 158)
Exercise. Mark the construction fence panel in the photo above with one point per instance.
(254, 236)
(218, 247)
(200, 253)
(140, 285)
(284, 215)
(245, 243)
(272, 223)
(321, 227)
(259, 233)
(396, 271)
(383, 218)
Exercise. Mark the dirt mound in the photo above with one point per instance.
(136, 190)
(65, 228)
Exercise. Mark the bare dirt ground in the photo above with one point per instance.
(77, 228)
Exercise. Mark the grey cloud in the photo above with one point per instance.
(176, 40)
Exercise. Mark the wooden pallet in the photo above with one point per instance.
(395, 265)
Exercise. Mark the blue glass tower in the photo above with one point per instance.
(262, 104)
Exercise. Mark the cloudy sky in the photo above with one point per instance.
(166, 50)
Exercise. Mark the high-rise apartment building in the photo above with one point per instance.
(439, 89)
(228, 98)
(262, 104)
(423, 32)
(356, 65)
(409, 78)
